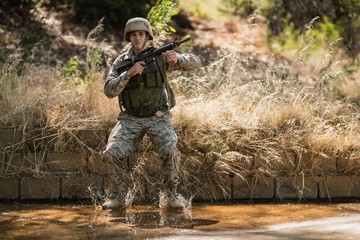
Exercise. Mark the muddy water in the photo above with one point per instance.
(203, 221)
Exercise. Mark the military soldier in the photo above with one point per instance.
(145, 102)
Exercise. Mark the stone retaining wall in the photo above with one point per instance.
(58, 174)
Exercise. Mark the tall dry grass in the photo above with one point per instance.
(286, 120)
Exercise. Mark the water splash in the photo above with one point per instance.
(177, 201)
(131, 194)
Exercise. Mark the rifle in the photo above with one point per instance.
(148, 54)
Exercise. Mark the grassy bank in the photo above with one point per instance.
(237, 116)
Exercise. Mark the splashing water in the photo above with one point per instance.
(177, 201)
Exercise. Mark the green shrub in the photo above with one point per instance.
(160, 15)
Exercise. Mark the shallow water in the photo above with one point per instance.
(203, 221)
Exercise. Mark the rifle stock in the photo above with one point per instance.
(149, 54)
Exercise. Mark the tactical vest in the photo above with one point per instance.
(145, 94)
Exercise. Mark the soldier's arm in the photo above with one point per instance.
(186, 62)
(115, 83)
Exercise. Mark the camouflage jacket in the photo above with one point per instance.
(115, 83)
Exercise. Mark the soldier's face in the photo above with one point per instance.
(138, 40)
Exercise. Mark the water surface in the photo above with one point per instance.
(203, 221)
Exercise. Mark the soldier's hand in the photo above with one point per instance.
(170, 57)
(138, 68)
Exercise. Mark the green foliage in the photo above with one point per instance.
(339, 19)
(245, 7)
(239, 7)
(200, 12)
(94, 59)
(348, 19)
(288, 40)
(207, 10)
(94, 54)
(31, 32)
(160, 15)
(325, 34)
(344, 8)
(71, 73)
(330, 29)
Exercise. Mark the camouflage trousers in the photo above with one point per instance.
(124, 140)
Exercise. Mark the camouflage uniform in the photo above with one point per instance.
(130, 129)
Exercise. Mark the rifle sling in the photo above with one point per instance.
(169, 91)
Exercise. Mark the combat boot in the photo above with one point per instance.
(171, 200)
(117, 181)
(176, 201)
(113, 203)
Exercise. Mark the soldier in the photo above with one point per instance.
(145, 101)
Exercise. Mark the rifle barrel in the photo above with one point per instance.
(184, 40)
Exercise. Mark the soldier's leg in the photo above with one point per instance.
(163, 135)
(123, 140)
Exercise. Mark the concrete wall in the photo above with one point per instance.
(29, 171)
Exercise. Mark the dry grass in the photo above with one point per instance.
(285, 122)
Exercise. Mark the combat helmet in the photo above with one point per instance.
(137, 24)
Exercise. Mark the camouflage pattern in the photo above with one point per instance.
(125, 138)
(115, 83)
(127, 134)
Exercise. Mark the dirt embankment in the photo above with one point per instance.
(56, 39)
